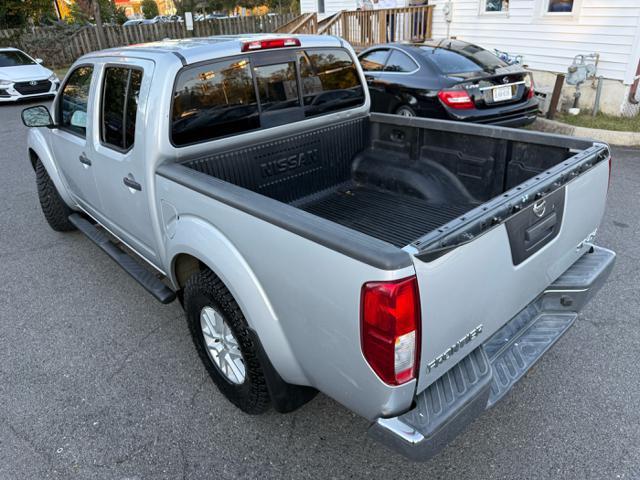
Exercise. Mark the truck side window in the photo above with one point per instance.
(212, 101)
(330, 81)
(120, 92)
(72, 106)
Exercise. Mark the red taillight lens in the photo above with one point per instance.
(532, 87)
(390, 329)
(267, 44)
(458, 99)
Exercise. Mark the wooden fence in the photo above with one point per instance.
(59, 47)
(363, 28)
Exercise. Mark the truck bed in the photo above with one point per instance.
(394, 218)
(390, 178)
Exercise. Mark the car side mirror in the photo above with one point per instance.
(37, 116)
(79, 119)
(39, 60)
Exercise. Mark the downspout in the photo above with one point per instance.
(634, 87)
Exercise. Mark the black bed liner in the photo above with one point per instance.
(391, 217)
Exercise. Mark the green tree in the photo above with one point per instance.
(19, 13)
(120, 16)
(149, 8)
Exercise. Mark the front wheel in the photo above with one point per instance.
(405, 111)
(221, 336)
(55, 211)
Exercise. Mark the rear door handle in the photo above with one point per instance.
(131, 183)
(84, 160)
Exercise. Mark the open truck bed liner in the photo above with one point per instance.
(394, 218)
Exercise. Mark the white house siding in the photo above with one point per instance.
(330, 6)
(549, 43)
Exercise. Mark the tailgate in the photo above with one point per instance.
(468, 293)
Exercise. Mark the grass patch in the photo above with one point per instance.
(602, 122)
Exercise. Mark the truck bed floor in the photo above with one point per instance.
(392, 217)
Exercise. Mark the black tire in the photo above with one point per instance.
(55, 211)
(405, 111)
(206, 289)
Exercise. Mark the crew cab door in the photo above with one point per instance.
(119, 152)
(73, 107)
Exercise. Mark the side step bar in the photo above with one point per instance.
(140, 274)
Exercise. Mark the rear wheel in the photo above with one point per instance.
(221, 336)
(405, 111)
(55, 211)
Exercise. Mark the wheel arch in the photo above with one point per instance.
(39, 150)
(187, 254)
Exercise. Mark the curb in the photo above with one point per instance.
(623, 139)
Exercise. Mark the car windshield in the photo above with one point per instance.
(457, 57)
(14, 58)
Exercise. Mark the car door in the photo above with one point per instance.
(69, 139)
(118, 143)
(373, 63)
(396, 89)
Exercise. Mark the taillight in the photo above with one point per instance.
(390, 329)
(529, 83)
(458, 99)
(267, 44)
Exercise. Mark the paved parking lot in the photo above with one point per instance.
(98, 380)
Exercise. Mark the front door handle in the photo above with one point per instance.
(131, 183)
(84, 160)
(369, 79)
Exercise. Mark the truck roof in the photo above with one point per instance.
(193, 50)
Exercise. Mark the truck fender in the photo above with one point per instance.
(38, 147)
(198, 238)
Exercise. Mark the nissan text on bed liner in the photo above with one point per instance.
(411, 269)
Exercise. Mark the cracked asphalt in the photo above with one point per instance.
(99, 381)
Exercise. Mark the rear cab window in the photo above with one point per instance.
(241, 94)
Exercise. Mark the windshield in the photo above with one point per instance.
(14, 58)
(457, 57)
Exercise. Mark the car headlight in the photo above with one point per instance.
(5, 82)
(54, 78)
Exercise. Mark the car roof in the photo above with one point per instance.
(9, 49)
(194, 50)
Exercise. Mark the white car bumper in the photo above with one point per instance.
(25, 90)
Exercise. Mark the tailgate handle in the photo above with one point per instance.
(540, 231)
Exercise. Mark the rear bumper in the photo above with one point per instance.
(486, 375)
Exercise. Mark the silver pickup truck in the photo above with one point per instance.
(413, 270)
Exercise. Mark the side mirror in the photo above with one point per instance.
(79, 119)
(39, 60)
(37, 116)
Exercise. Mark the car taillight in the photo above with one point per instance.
(529, 83)
(390, 329)
(267, 44)
(458, 99)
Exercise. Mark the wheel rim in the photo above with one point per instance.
(405, 112)
(222, 346)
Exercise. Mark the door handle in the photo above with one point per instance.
(131, 183)
(84, 160)
(369, 79)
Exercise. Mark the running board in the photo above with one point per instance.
(140, 274)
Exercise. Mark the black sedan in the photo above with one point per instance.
(448, 79)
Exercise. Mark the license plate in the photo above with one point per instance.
(500, 94)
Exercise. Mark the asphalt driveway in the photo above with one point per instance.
(98, 380)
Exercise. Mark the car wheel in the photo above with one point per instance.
(405, 111)
(221, 336)
(55, 211)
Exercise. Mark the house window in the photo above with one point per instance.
(320, 6)
(491, 6)
(559, 6)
